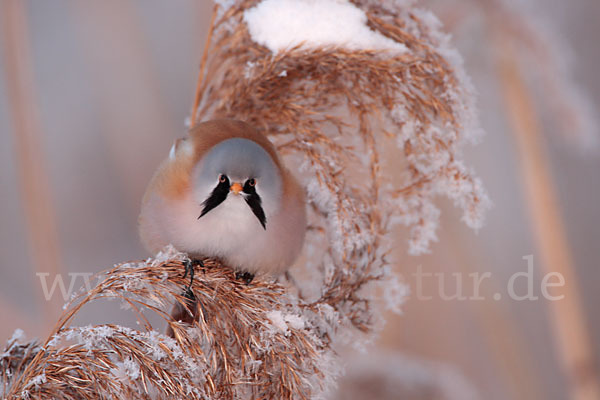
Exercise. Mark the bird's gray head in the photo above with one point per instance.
(238, 167)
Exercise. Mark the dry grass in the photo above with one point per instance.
(234, 348)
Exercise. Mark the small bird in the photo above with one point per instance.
(223, 192)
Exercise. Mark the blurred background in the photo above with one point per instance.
(93, 93)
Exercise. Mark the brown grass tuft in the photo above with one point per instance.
(237, 347)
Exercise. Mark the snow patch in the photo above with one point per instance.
(283, 321)
(283, 24)
(128, 369)
(37, 380)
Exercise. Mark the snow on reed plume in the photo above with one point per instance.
(334, 107)
(337, 109)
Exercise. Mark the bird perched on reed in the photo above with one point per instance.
(224, 193)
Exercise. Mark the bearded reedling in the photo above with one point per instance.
(223, 192)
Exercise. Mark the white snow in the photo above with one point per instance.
(283, 24)
(285, 321)
(169, 253)
(17, 336)
(395, 293)
(276, 318)
(37, 380)
(128, 369)
(294, 321)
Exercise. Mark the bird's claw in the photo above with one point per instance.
(189, 295)
(247, 277)
(189, 265)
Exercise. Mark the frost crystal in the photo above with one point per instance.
(37, 380)
(128, 369)
(278, 321)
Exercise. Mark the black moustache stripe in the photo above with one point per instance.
(254, 201)
(218, 195)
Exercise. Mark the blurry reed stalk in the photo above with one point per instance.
(34, 182)
(201, 72)
(545, 54)
(11, 317)
(504, 340)
(547, 57)
(123, 70)
(570, 331)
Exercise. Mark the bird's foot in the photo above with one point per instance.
(189, 265)
(189, 295)
(244, 276)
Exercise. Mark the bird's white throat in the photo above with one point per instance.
(231, 228)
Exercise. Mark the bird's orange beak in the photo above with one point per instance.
(236, 187)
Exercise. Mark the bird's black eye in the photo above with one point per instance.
(250, 186)
(223, 178)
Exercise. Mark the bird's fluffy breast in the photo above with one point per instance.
(230, 232)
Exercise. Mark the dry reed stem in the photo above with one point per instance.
(504, 340)
(33, 179)
(568, 322)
